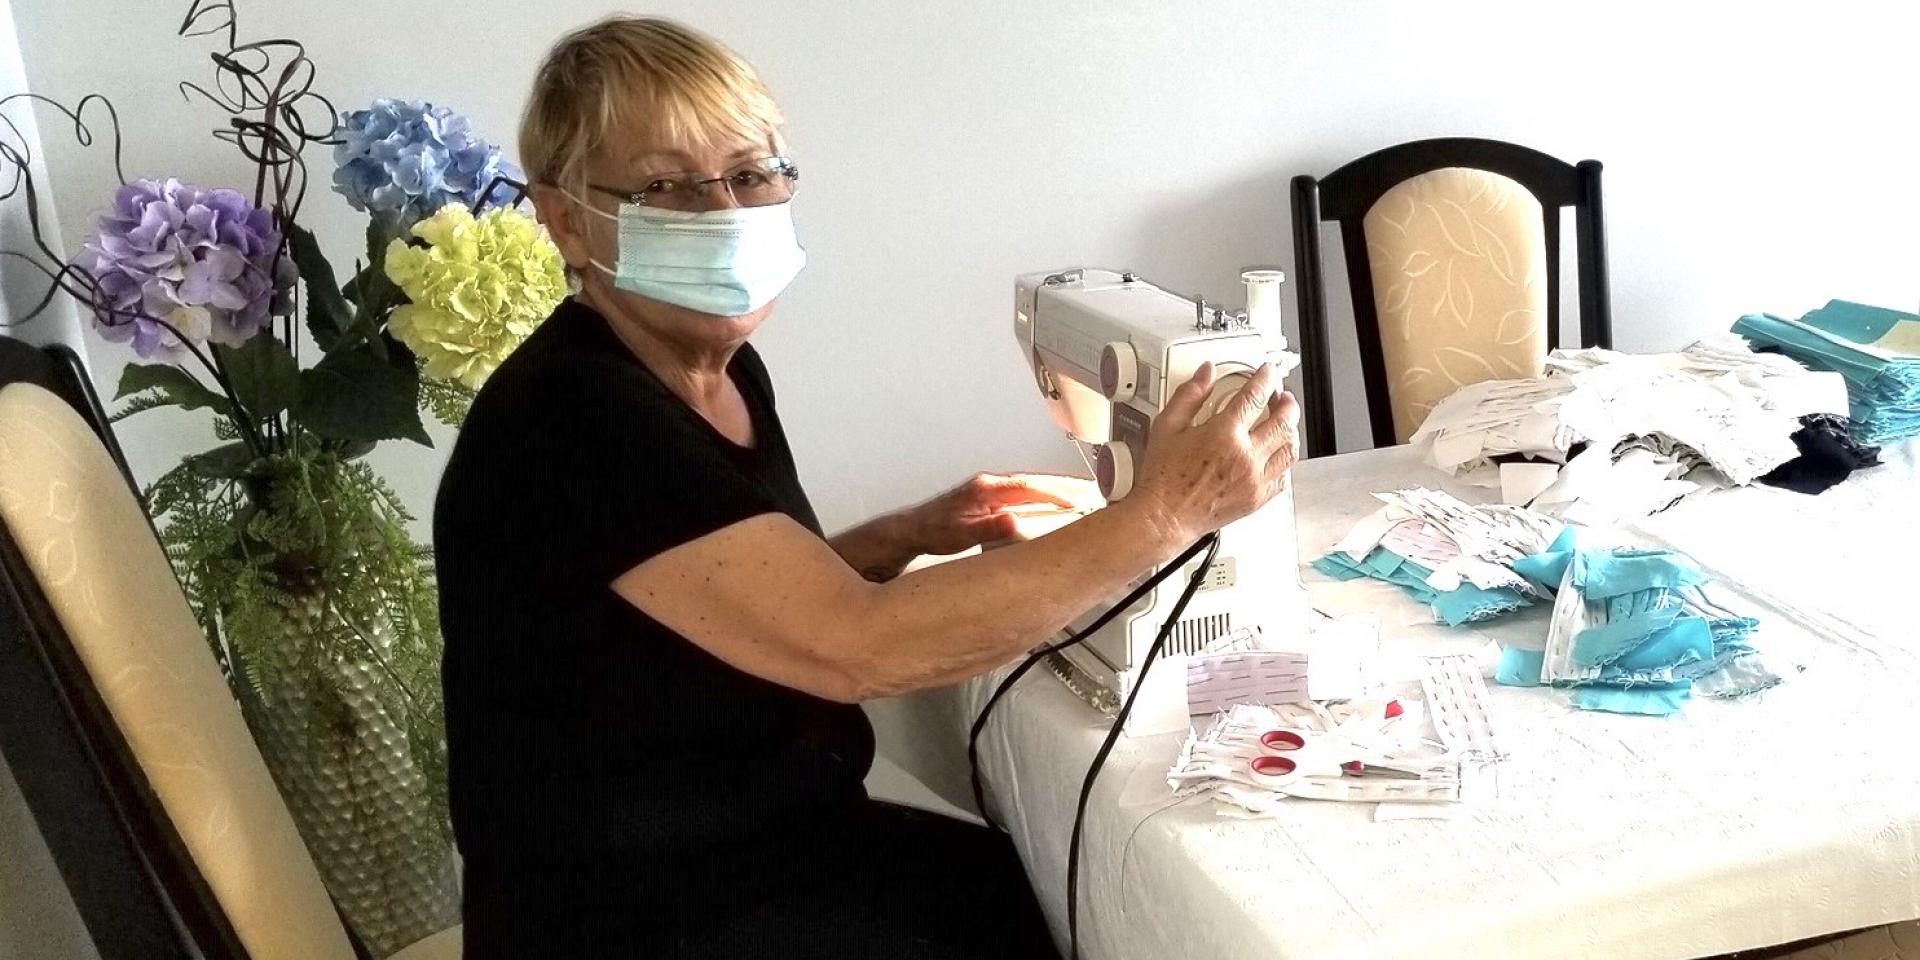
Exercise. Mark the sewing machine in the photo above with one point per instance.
(1107, 349)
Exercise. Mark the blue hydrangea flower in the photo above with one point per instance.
(404, 160)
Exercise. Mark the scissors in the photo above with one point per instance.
(1287, 753)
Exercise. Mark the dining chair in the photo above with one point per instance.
(1453, 258)
(125, 740)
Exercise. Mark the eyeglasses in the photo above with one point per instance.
(755, 183)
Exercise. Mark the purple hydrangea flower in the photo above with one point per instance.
(204, 261)
(406, 160)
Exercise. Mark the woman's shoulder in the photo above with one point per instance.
(560, 413)
(572, 357)
(571, 336)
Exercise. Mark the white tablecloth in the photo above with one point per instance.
(1730, 825)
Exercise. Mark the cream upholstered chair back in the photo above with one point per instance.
(1457, 257)
(68, 509)
(1452, 250)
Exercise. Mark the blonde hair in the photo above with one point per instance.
(637, 70)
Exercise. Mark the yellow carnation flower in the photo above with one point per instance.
(479, 288)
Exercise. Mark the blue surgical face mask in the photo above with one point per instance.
(724, 262)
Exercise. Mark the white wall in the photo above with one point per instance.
(37, 917)
(1757, 159)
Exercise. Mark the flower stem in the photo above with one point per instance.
(248, 431)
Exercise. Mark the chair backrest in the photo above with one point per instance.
(1453, 259)
(189, 826)
(61, 371)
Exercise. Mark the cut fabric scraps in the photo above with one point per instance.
(1465, 603)
(1448, 554)
(1828, 455)
(1656, 700)
(1519, 667)
(1605, 435)
(1634, 632)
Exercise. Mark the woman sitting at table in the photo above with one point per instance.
(654, 657)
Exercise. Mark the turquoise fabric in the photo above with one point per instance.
(1650, 647)
(1615, 573)
(1650, 644)
(1883, 392)
(1471, 604)
(1656, 700)
(1547, 568)
(1731, 640)
(1519, 667)
(1462, 605)
(1625, 632)
(1857, 321)
(1687, 639)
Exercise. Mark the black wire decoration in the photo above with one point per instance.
(16, 153)
(267, 88)
(519, 188)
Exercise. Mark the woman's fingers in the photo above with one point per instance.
(1254, 398)
(1184, 406)
(1022, 489)
(1277, 428)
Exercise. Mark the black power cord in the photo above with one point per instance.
(1211, 544)
(980, 722)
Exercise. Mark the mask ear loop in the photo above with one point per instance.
(590, 208)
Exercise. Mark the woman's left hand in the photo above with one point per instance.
(986, 508)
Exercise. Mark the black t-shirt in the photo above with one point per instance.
(586, 740)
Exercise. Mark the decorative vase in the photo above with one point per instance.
(337, 746)
(322, 608)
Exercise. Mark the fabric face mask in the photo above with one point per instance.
(724, 262)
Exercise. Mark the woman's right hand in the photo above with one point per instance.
(1198, 478)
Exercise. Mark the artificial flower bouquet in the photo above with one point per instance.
(293, 552)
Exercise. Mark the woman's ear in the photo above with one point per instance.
(564, 223)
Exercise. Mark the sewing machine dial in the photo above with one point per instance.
(1227, 383)
(1114, 463)
(1113, 469)
(1119, 371)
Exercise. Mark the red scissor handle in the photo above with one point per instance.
(1282, 740)
(1268, 765)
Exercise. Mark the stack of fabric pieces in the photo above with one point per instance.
(1606, 436)
(1633, 632)
(1877, 350)
(1451, 555)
